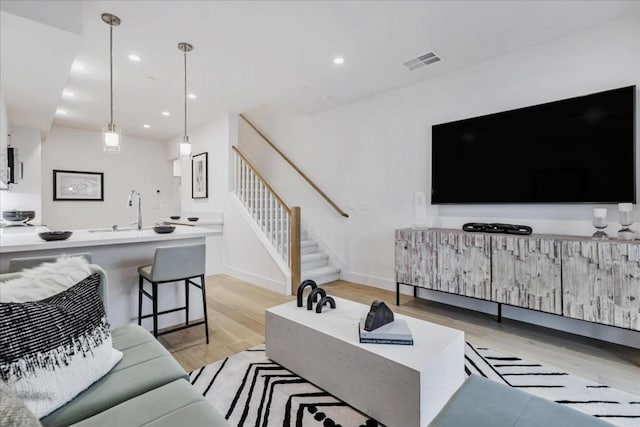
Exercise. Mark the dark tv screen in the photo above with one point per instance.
(577, 150)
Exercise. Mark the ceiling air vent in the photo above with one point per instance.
(421, 61)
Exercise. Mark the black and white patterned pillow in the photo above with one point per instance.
(51, 350)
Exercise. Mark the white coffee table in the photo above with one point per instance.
(400, 386)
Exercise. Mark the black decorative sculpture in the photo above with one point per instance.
(379, 315)
(323, 302)
(302, 287)
(313, 297)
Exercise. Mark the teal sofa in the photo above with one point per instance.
(146, 388)
(481, 402)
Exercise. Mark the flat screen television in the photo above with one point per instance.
(577, 150)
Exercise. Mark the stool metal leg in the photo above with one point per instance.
(186, 300)
(154, 297)
(140, 287)
(204, 306)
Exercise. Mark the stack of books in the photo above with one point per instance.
(396, 332)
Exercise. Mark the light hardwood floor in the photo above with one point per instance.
(236, 322)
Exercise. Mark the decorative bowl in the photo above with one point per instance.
(164, 229)
(15, 215)
(175, 217)
(193, 218)
(50, 236)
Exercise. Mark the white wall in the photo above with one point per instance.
(212, 138)
(4, 130)
(371, 156)
(141, 165)
(246, 255)
(26, 193)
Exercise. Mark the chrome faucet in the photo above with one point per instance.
(130, 202)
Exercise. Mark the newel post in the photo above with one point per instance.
(294, 245)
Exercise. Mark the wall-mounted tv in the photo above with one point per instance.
(577, 150)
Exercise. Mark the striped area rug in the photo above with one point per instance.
(251, 390)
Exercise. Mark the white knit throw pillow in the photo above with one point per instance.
(45, 280)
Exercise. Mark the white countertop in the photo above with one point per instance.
(21, 239)
(199, 222)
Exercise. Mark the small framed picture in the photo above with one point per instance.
(200, 176)
(78, 186)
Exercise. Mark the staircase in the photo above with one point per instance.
(280, 224)
(315, 263)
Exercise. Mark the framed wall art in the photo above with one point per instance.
(200, 176)
(78, 186)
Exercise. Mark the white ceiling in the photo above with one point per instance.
(280, 52)
(34, 68)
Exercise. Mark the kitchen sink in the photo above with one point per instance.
(119, 230)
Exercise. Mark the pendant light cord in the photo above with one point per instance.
(111, 71)
(185, 94)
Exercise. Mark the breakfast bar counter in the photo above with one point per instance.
(119, 253)
(22, 239)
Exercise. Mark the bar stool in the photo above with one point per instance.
(172, 264)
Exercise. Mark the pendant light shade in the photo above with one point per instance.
(110, 134)
(185, 148)
(185, 144)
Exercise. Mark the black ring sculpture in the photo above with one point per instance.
(302, 287)
(313, 297)
(323, 302)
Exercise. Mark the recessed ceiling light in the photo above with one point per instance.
(192, 96)
(134, 57)
(166, 113)
(78, 66)
(67, 93)
(146, 126)
(338, 60)
(61, 111)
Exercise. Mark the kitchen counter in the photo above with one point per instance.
(120, 253)
(199, 223)
(20, 239)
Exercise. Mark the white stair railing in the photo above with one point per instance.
(279, 223)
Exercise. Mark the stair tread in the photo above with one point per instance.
(313, 256)
(308, 243)
(328, 269)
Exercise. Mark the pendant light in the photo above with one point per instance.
(110, 134)
(185, 145)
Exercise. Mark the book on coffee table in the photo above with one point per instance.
(396, 332)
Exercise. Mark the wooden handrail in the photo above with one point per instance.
(264, 181)
(297, 169)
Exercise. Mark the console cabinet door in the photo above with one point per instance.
(463, 263)
(415, 258)
(404, 262)
(601, 282)
(424, 259)
(526, 272)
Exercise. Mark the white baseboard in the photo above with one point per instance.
(263, 282)
(374, 281)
